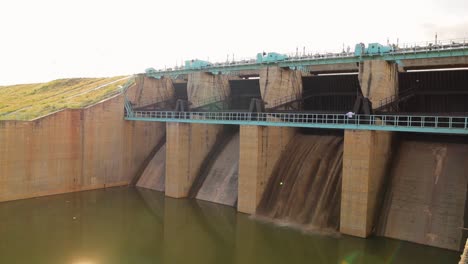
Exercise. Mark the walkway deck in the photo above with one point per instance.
(422, 124)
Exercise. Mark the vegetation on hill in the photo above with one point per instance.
(29, 101)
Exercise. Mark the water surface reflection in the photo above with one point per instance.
(126, 225)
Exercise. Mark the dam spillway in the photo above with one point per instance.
(425, 199)
(219, 184)
(170, 132)
(305, 186)
(154, 175)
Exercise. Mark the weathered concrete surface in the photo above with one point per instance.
(434, 63)
(154, 175)
(203, 88)
(147, 91)
(221, 182)
(187, 145)
(260, 149)
(277, 84)
(425, 199)
(365, 161)
(379, 80)
(73, 150)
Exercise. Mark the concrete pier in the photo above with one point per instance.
(205, 87)
(366, 154)
(379, 80)
(365, 161)
(147, 91)
(260, 149)
(277, 83)
(187, 145)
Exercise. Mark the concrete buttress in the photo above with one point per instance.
(204, 88)
(379, 80)
(365, 162)
(260, 149)
(187, 145)
(278, 84)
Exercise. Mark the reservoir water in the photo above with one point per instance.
(137, 226)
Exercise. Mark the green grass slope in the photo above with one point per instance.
(29, 101)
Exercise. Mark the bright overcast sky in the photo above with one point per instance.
(42, 40)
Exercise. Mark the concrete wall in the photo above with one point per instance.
(426, 196)
(147, 91)
(260, 149)
(277, 83)
(73, 150)
(187, 145)
(365, 161)
(205, 87)
(379, 80)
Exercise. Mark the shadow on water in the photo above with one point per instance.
(127, 225)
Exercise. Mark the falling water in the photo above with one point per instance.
(305, 187)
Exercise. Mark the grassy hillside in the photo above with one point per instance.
(28, 101)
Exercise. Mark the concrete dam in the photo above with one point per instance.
(368, 145)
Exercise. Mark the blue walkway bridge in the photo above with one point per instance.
(399, 123)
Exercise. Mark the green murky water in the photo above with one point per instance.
(126, 225)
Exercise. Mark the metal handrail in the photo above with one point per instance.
(208, 101)
(127, 85)
(285, 100)
(395, 98)
(397, 49)
(445, 42)
(299, 97)
(128, 107)
(390, 122)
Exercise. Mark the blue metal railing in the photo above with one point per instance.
(425, 124)
(128, 107)
(416, 51)
(127, 84)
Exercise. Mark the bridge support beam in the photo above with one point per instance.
(379, 80)
(187, 145)
(260, 149)
(278, 84)
(365, 164)
(204, 88)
